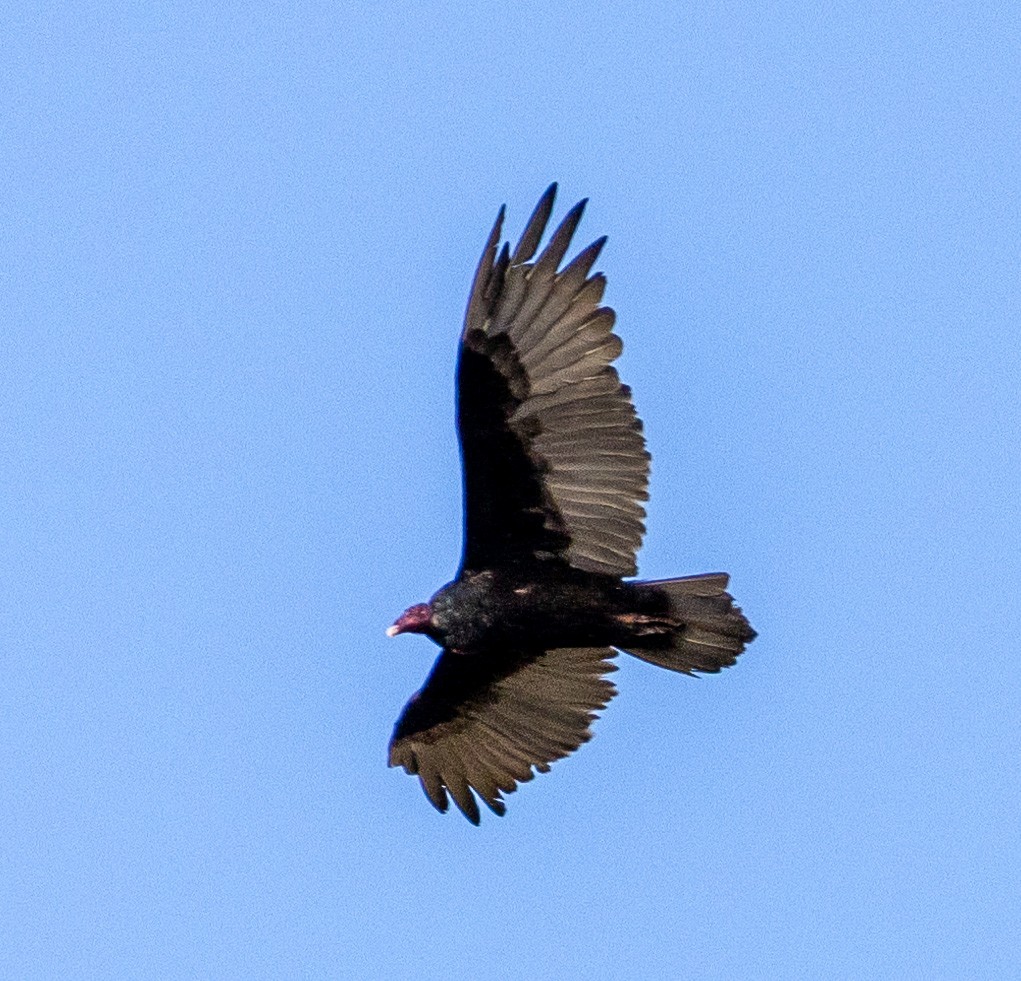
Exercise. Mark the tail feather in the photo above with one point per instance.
(711, 631)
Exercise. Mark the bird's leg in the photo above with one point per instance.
(647, 624)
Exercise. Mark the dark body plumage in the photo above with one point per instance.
(555, 470)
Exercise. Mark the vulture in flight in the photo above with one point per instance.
(554, 474)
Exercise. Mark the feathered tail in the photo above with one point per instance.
(710, 631)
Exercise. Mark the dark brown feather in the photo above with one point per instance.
(542, 415)
(484, 722)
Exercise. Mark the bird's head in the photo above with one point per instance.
(415, 619)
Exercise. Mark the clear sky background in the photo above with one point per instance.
(237, 242)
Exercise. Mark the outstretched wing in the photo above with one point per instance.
(553, 456)
(482, 722)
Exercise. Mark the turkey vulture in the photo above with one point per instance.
(554, 470)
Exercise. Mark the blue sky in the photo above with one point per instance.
(237, 245)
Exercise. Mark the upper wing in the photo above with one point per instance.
(481, 722)
(553, 456)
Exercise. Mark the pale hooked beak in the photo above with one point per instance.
(414, 620)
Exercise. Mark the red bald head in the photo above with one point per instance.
(414, 620)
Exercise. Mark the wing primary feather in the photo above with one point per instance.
(554, 253)
(479, 774)
(532, 235)
(580, 265)
(477, 303)
(496, 278)
(541, 280)
(433, 787)
(594, 338)
(463, 797)
(596, 325)
(496, 767)
(563, 292)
